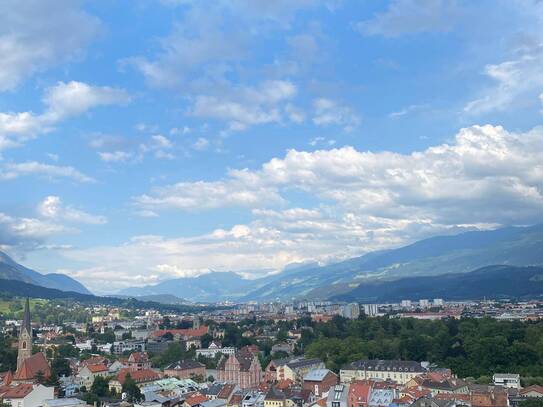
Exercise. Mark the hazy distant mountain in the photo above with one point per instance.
(462, 253)
(489, 282)
(160, 298)
(211, 287)
(11, 270)
(465, 252)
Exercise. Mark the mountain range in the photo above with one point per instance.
(436, 256)
(11, 270)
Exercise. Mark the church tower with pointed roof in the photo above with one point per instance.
(25, 337)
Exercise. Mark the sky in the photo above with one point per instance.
(143, 140)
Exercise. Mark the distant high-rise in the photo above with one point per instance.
(25, 337)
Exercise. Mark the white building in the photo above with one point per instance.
(28, 395)
(120, 347)
(508, 380)
(406, 303)
(351, 311)
(424, 303)
(438, 302)
(371, 310)
(213, 350)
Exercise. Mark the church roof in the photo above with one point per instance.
(31, 366)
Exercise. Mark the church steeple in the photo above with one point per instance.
(25, 336)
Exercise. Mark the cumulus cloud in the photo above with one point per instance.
(11, 171)
(62, 101)
(477, 178)
(36, 34)
(485, 177)
(52, 207)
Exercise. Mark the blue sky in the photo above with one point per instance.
(145, 140)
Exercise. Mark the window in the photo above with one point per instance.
(335, 403)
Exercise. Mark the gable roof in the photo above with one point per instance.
(31, 366)
(20, 391)
(138, 357)
(97, 368)
(139, 376)
(185, 364)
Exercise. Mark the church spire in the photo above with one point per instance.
(25, 336)
(26, 317)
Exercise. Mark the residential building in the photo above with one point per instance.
(141, 377)
(371, 310)
(338, 396)
(139, 361)
(28, 395)
(351, 311)
(186, 369)
(130, 345)
(359, 393)
(275, 398)
(214, 349)
(508, 380)
(88, 373)
(400, 371)
(319, 381)
(294, 368)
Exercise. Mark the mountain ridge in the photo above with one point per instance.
(438, 255)
(11, 270)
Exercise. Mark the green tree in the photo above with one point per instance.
(133, 392)
(100, 386)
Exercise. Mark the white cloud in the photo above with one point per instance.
(412, 17)
(329, 112)
(201, 144)
(115, 156)
(242, 107)
(516, 80)
(484, 178)
(70, 99)
(53, 208)
(36, 34)
(15, 170)
(480, 177)
(61, 101)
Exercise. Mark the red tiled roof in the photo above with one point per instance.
(190, 332)
(20, 391)
(196, 398)
(138, 357)
(535, 387)
(31, 366)
(6, 377)
(97, 368)
(360, 391)
(139, 376)
(94, 360)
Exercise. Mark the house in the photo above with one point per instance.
(88, 373)
(488, 396)
(400, 371)
(359, 393)
(338, 396)
(120, 347)
(139, 361)
(447, 386)
(186, 369)
(508, 380)
(28, 395)
(275, 398)
(195, 400)
(213, 349)
(291, 368)
(115, 367)
(241, 368)
(141, 377)
(319, 381)
(532, 391)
